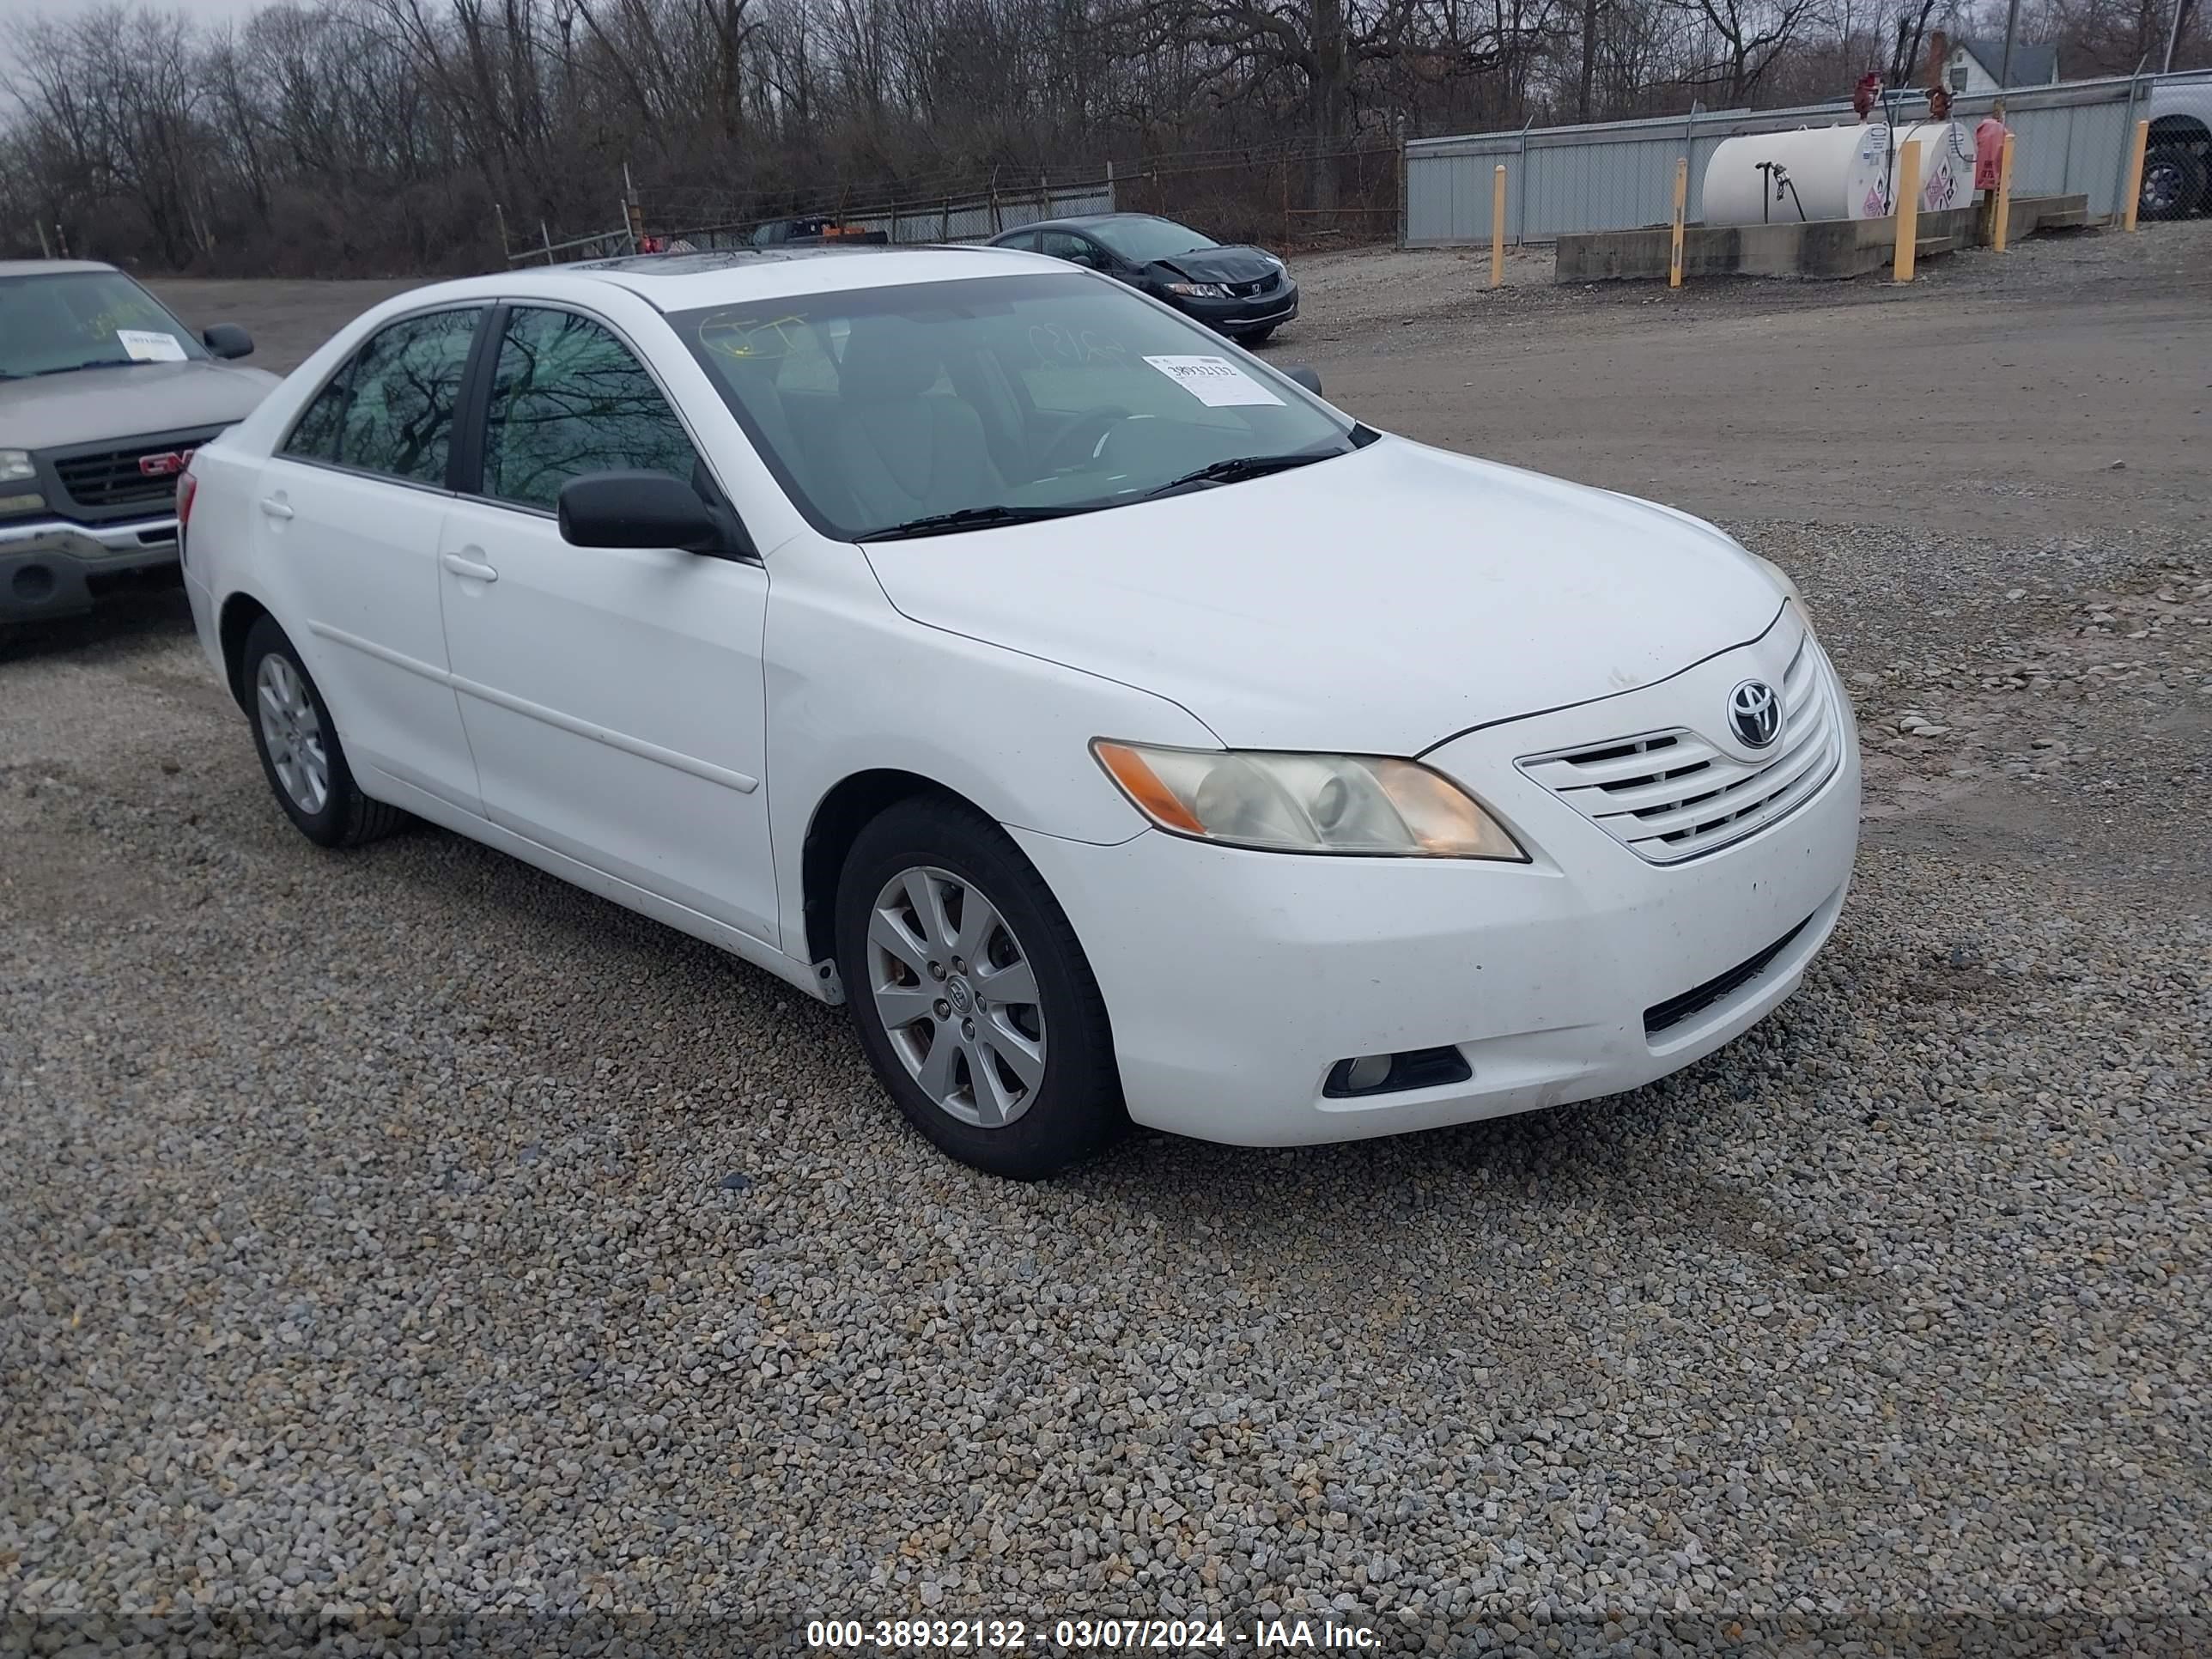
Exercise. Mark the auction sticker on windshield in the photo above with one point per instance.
(150, 346)
(1214, 381)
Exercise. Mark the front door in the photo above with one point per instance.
(612, 697)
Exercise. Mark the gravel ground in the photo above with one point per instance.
(401, 1236)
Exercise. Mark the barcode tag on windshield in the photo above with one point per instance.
(1214, 381)
(150, 345)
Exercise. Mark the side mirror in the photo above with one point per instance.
(647, 509)
(1304, 376)
(227, 340)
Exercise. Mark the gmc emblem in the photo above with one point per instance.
(166, 465)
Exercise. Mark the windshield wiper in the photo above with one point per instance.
(97, 362)
(968, 518)
(1238, 468)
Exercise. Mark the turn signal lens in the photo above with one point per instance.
(1298, 802)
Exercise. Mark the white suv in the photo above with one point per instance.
(1115, 726)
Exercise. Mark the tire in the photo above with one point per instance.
(1256, 338)
(298, 743)
(2173, 183)
(1047, 1094)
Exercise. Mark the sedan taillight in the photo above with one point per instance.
(187, 486)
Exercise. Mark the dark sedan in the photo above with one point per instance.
(1242, 292)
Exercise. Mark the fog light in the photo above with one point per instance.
(1382, 1074)
(25, 503)
(1368, 1072)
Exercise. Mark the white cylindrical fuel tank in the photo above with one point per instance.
(1833, 173)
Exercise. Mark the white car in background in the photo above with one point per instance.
(1117, 727)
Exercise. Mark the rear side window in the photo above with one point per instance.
(391, 409)
(567, 398)
(316, 436)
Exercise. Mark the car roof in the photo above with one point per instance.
(48, 267)
(1084, 220)
(679, 282)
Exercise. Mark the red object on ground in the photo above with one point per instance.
(1988, 152)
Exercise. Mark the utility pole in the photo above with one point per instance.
(2012, 33)
(2172, 33)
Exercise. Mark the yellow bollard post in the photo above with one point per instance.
(2004, 195)
(1498, 227)
(2135, 176)
(1907, 210)
(1681, 201)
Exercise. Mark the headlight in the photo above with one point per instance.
(1294, 803)
(1199, 290)
(1788, 587)
(15, 464)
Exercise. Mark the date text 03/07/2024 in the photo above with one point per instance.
(1083, 1636)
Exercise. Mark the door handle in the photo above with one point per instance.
(275, 507)
(468, 568)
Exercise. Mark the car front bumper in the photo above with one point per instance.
(1245, 315)
(1236, 980)
(47, 566)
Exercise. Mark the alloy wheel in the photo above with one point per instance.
(293, 732)
(957, 996)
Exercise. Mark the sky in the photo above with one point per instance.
(213, 11)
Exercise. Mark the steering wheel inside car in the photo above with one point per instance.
(1079, 445)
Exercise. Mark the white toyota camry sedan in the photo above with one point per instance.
(1122, 732)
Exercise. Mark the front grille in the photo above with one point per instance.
(1246, 290)
(1660, 1016)
(1670, 795)
(111, 477)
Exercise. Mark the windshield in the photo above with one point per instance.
(1037, 394)
(1141, 240)
(81, 319)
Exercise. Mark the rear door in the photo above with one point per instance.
(349, 513)
(612, 697)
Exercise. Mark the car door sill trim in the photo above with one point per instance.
(651, 752)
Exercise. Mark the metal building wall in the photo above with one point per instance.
(2072, 139)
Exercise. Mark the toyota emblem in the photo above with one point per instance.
(1755, 714)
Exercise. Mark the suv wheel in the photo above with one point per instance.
(2173, 183)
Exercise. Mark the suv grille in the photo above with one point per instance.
(1671, 795)
(112, 479)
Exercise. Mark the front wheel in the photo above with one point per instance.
(972, 995)
(2173, 183)
(1256, 337)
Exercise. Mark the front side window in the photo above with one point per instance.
(567, 398)
(73, 319)
(1035, 395)
(391, 409)
(1065, 245)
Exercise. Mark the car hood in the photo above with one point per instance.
(1378, 603)
(87, 404)
(1218, 264)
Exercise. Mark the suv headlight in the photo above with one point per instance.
(1199, 290)
(15, 464)
(1298, 803)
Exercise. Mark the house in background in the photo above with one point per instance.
(1974, 65)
